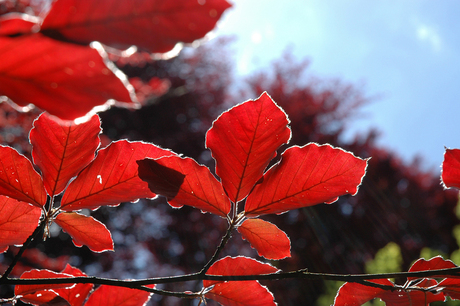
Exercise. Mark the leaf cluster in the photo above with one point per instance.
(51, 59)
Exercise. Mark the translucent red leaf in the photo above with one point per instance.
(14, 24)
(76, 295)
(239, 265)
(65, 79)
(451, 168)
(55, 295)
(86, 230)
(233, 293)
(18, 179)
(34, 274)
(269, 241)
(62, 149)
(18, 220)
(119, 296)
(435, 263)
(451, 287)
(243, 140)
(354, 294)
(410, 298)
(184, 182)
(247, 293)
(306, 176)
(44, 297)
(154, 25)
(112, 177)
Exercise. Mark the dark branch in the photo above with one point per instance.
(300, 274)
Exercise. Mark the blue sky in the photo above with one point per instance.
(405, 52)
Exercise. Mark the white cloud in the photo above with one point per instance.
(256, 37)
(429, 34)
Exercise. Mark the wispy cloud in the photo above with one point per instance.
(429, 35)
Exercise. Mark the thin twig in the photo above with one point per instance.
(219, 249)
(299, 274)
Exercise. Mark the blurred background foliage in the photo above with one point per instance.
(400, 212)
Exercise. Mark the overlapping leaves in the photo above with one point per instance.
(416, 291)
(48, 61)
(63, 151)
(76, 294)
(243, 141)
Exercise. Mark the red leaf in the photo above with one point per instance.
(451, 287)
(77, 294)
(15, 23)
(112, 177)
(18, 220)
(153, 25)
(435, 263)
(269, 241)
(354, 294)
(247, 293)
(44, 298)
(86, 230)
(243, 140)
(30, 289)
(184, 182)
(306, 176)
(233, 293)
(238, 266)
(18, 179)
(65, 79)
(62, 149)
(54, 295)
(410, 298)
(451, 168)
(119, 296)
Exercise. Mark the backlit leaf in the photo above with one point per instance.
(414, 297)
(117, 22)
(18, 179)
(62, 149)
(247, 293)
(65, 79)
(76, 295)
(52, 294)
(112, 177)
(239, 265)
(435, 263)
(451, 287)
(44, 298)
(119, 296)
(18, 220)
(86, 230)
(269, 241)
(33, 274)
(306, 176)
(451, 168)
(14, 24)
(184, 182)
(243, 140)
(239, 293)
(354, 294)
